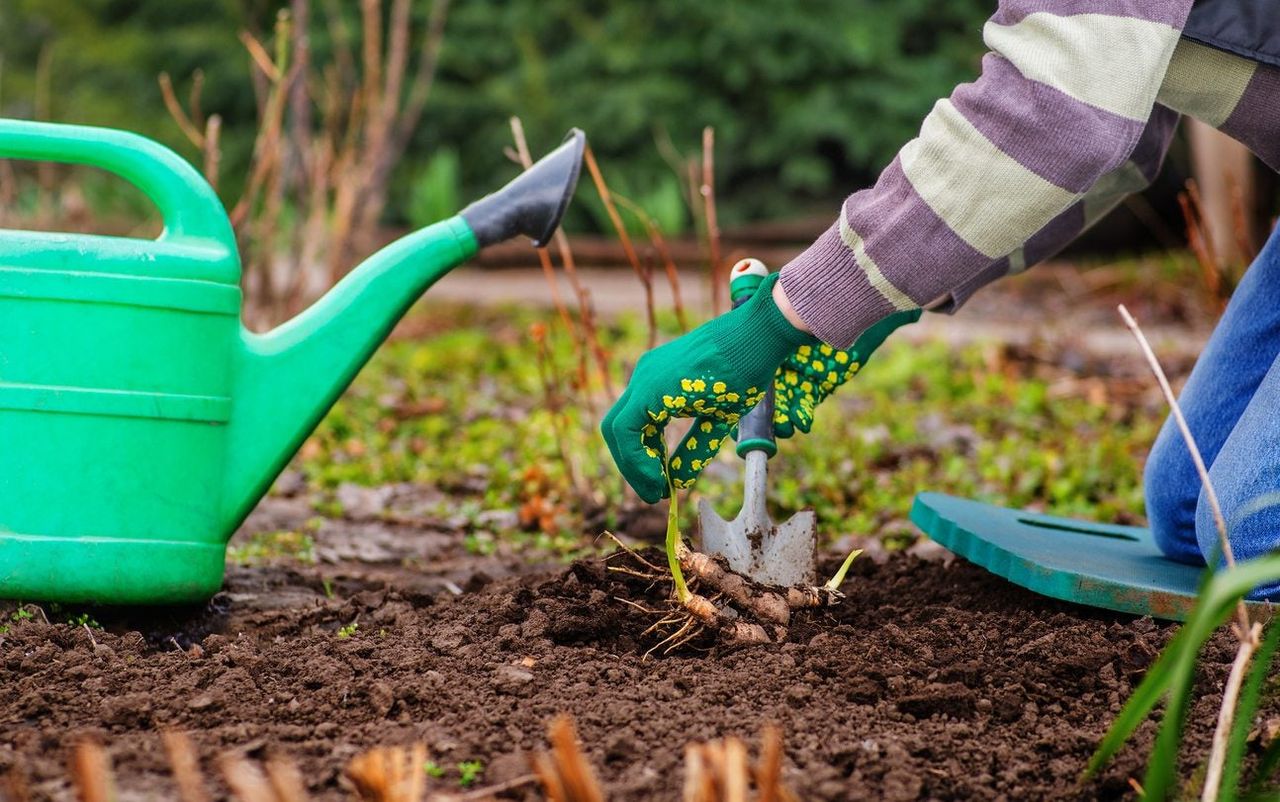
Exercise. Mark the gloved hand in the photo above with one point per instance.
(808, 375)
(812, 373)
(714, 374)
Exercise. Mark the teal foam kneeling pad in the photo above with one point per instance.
(1099, 565)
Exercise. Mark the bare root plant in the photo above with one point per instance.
(717, 601)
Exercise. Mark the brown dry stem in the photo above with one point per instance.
(91, 772)
(722, 771)
(186, 767)
(1246, 632)
(564, 772)
(389, 774)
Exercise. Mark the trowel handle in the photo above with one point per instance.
(188, 204)
(755, 430)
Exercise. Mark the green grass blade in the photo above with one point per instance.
(1162, 766)
(1267, 765)
(1246, 710)
(1139, 704)
(1173, 671)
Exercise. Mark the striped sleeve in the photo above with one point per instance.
(1063, 100)
(1238, 96)
(1134, 175)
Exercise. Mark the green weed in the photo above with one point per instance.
(1171, 678)
(348, 630)
(469, 771)
(266, 546)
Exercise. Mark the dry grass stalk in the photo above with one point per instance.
(336, 175)
(564, 772)
(587, 337)
(1246, 632)
(389, 774)
(246, 780)
(1200, 241)
(707, 190)
(91, 772)
(286, 779)
(15, 786)
(576, 334)
(721, 771)
(642, 271)
(553, 400)
(186, 767)
(1246, 245)
(664, 254)
(768, 770)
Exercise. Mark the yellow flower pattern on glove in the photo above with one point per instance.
(811, 374)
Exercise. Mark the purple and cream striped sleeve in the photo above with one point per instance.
(1064, 98)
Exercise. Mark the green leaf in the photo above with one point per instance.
(1173, 673)
(1246, 710)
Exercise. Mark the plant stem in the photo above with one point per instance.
(1246, 632)
(1210, 494)
(836, 581)
(673, 542)
(1222, 733)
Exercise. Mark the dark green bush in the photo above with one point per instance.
(808, 99)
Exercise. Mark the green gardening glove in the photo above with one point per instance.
(813, 372)
(714, 374)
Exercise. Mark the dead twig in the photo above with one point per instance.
(1246, 632)
(564, 772)
(641, 271)
(722, 771)
(91, 772)
(389, 774)
(186, 767)
(707, 189)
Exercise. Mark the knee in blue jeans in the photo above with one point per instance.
(1170, 489)
(1253, 525)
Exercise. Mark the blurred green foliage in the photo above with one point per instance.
(808, 100)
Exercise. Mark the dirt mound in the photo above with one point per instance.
(933, 681)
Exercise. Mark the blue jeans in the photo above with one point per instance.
(1232, 405)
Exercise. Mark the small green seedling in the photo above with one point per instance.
(836, 581)
(348, 630)
(433, 769)
(327, 585)
(469, 771)
(22, 614)
(83, 620)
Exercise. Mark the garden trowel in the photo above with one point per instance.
(772, 554)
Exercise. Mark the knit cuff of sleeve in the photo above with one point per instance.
(831, 293)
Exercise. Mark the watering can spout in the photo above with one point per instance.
(533, 203)
(288, 378)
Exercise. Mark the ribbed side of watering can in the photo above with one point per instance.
(115, 387)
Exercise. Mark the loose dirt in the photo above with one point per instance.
(933, 681)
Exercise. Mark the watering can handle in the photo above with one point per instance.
(189, 206)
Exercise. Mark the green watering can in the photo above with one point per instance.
(140, 422)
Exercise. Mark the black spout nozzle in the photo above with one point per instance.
(533, 203)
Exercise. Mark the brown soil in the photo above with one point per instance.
(934, 680)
